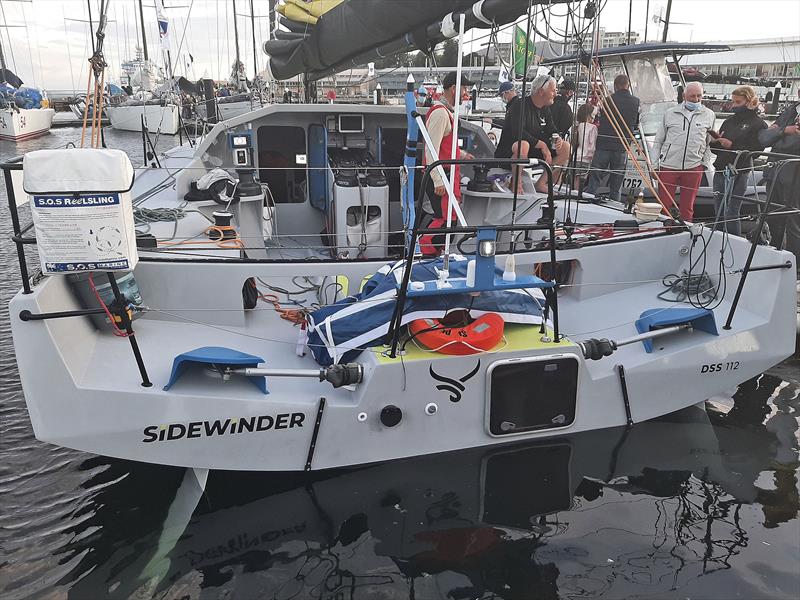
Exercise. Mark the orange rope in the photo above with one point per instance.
(86, 106)
(294, 316)
(617, 123)
(98, 112)
(221, 242)
(116, 331)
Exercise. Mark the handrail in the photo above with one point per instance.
(18, 231)
(397, 315)
(783, 159)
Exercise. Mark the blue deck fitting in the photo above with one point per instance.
(216, 355)
(658, 318)
(486, 275)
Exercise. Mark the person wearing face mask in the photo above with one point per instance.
(682, 147)
(423, 97)
(738, 132)
(507, 94)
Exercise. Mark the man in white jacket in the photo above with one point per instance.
(681, 146)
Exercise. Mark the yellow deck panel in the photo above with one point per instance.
(519, 338)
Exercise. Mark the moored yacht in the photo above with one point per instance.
(273, 335)
(269, 299)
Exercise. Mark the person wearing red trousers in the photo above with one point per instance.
(682, 147)
(439, 123)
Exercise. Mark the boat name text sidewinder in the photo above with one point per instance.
(196, 429)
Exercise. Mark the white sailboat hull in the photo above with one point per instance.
(229, 110)
(157, 118)
(25, 123)
(83, 389)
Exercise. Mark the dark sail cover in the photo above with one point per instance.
(10, 78)
(359, 31)
(352, 28)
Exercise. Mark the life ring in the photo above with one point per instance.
(481, 335)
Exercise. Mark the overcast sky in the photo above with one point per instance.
(49, 47)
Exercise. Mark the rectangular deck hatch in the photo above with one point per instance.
(531, 394)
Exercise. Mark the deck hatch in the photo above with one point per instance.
(531, 394)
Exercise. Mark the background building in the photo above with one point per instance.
(774, 59)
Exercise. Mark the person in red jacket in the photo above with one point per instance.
(439, 123)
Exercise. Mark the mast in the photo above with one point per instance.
(253, 27)
(272, 18)
(2, 63)
(144, 36)
(630, 15)
(666, 21)
(91, 25)
(2, 55)
(236, 42)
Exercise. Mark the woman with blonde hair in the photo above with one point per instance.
(738, 132)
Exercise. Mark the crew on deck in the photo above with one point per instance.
(561, 109)
(531, 122)
(610, 156)
(508, 94)
(682, 147)
(439, 123)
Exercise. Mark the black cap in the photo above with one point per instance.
(568, 84)
(506, 86)
(450, 80)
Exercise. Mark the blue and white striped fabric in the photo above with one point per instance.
(339, 332)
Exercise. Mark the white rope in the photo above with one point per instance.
(467, 344)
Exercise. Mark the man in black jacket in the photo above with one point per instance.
(561, 109)
(783, 180)
(538, 136)
(610, 154)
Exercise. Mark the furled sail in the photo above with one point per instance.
(355, 32)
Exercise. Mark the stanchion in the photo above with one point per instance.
(126, 322)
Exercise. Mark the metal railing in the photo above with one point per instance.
(20, 241)
(764, 209)
(548, 224)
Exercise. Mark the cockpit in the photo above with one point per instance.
(331, 175)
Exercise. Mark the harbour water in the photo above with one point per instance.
(700, 504)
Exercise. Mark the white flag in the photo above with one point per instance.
(371, 69)
(504, 74)
(163, 27)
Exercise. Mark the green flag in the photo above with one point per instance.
(519, 51)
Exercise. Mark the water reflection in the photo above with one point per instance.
(654, 510)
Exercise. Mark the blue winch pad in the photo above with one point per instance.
(216, 355)
(658, 318)
(339, 332)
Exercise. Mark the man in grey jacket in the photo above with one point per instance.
(681, 146)
(783, 180)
